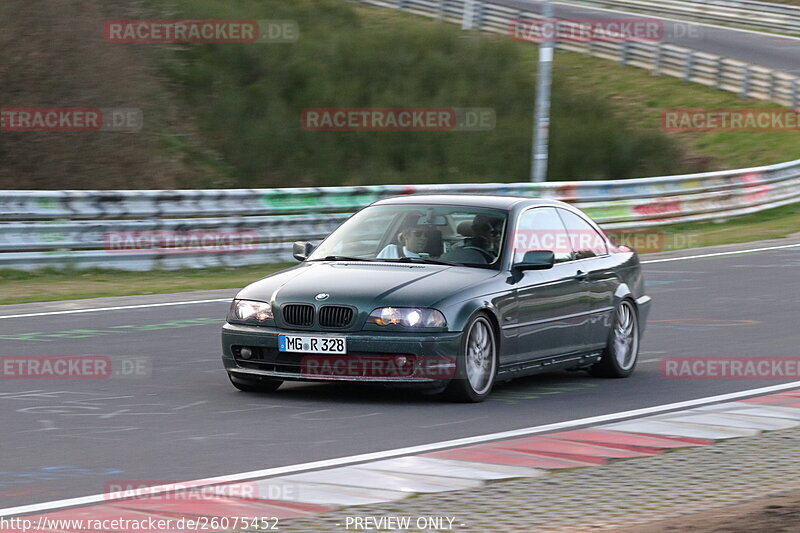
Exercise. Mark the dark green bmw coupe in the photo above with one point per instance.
(451, 292)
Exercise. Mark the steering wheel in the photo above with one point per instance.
(488, 255)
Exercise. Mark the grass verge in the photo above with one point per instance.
(51, 285)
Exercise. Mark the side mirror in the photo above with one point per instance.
(302, 249)
(536, 260)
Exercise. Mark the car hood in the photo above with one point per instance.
(366, 284)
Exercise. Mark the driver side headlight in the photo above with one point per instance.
(410, 317)
(250, 310)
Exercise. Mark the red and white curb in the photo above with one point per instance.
(464, 467)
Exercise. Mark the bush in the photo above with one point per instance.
(248, 99)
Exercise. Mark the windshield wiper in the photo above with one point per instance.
(423, 260)
(343, 258)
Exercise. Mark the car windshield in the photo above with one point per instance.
(439, 234)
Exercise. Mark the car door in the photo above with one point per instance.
(551, 304)
(596, 274)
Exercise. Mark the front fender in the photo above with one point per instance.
(465, 310)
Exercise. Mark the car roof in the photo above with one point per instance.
(494, 201)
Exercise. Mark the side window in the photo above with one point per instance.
(541, 228)
(584, 238)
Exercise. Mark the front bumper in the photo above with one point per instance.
(371, 356)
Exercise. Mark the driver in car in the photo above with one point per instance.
(412, 239)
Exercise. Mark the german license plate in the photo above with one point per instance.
(312, 344)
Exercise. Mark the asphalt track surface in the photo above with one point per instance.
(183, 421)
(773, 51)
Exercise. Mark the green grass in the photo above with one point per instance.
(643, 98)
(790, 2)
(51, 285)
(772, 224)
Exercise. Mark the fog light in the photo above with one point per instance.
(246, 353)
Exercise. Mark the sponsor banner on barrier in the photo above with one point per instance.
(73, 367)
(201, 31)
(731, 368)
(181, 242)
(343, 119)
(743, 120)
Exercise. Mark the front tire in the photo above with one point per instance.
(476, 365)
(255, 384)
(622, 349)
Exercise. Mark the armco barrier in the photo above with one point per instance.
(70, 228)
(744, 79)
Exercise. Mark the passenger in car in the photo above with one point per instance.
(481, 242)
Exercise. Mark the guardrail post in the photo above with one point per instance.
(794, 94)
(745, 82)
(479, 14)
(624, 51)
(720, 67)
(468, 14)
(441, 14)
(771, 84)
(687, 73)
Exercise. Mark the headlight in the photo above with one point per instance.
(249, 310)
(411, 317)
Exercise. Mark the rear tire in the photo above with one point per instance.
(255, 384)
(622, 349)
(476, 365)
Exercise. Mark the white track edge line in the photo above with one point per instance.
(143, 306)
(717, 254)
(399, 452)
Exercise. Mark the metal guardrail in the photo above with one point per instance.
(71, 228)
(744, 79)
(781, 18)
